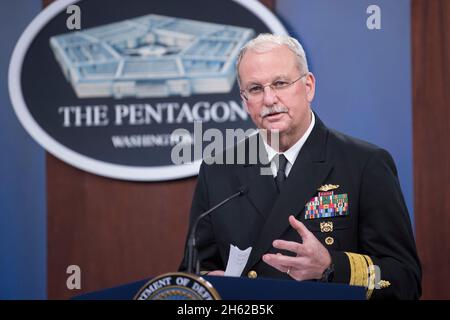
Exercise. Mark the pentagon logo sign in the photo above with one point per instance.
(108, 95)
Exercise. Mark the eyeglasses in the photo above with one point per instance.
(255, 92)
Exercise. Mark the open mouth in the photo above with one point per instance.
(274, 115)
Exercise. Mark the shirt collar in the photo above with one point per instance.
(292, 153)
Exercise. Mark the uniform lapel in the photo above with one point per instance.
(310, 170)
(261, 189)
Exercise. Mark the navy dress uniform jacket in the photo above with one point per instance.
(376, 231)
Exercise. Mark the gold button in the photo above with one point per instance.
(329, 240)
(252, 274)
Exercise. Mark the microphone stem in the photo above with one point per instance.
(193, 261)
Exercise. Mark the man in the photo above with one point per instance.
(332, 209)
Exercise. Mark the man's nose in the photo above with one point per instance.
(270, 96)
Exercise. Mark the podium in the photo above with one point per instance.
(230, 288)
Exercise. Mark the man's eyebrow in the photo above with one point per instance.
(253, 82)
(278, 77)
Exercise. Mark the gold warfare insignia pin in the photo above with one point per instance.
(328, 187)
(326, 226)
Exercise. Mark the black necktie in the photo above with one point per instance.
(281, 172)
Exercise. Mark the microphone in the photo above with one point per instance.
(192, 258)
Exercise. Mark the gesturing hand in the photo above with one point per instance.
(216, 273)
(312, 257)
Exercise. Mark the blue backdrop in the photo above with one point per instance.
(363, 76)
(22, 171)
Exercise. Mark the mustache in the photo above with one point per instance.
(267, 111)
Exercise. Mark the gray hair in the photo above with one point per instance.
(265, 42)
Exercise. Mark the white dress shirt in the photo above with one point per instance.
(291, 153)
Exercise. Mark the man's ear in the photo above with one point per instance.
(310, 85)
(244, 102)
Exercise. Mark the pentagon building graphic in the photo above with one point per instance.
(150, 56)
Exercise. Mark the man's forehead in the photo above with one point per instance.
(280, 58)
(266, 73)
(253, 53)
